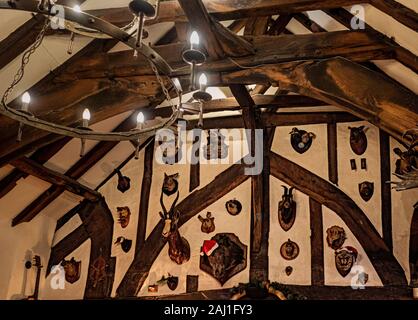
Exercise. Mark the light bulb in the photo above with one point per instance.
(203, 80)
(194, 39)
(177, 84)
(26, 97)
(86, 114)
(77, 8)
(140, 118)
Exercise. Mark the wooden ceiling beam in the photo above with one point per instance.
(223, 10)
(344, 83)
(219, 41)
(354, 45)
(57, 179)
(75, 172)
(403, 55)
(398, 11)
(24, 36)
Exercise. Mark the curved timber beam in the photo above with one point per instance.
(385, 264)
(338, 81)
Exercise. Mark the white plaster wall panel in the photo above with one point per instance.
(399, 72)
(349, 180)
(387, 25)
(29, 239)
(21, 196)
(363, 264)
(61, 205)
(402, 211)
(114, 198)
(315, 159)
(299, 233)
(70, 153)
(71, 291)
(154, 206)
(224, 222)
(66, 229)
(106, 165)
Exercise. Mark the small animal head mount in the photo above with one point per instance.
(208, 223)
(287, 209)
(72, 270)
(170, 218)
(233, 207)
(170, 184)
(366, 190)
(124, 215)
(125, 244)
(301, 140)
(124, 183)
(407, 162)
(358, 139)
(336, 237)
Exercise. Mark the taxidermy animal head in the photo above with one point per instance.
(233, 207)
(179, 248)
(225, 257)
(301, 140)
(124, 216)
(72, 270)
(124, 183)
(208, 223)
(170, 184)
(358, 139)
(407, 162)
(287, 209)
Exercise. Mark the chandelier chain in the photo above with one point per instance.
(25, 60)
(162, 84)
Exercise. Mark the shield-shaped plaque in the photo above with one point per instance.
(124, 183)
(172, 282)
(288, 270)
(287, 209)
(125, 244)
(358, 139)
(366, 190)
(335, 237)
(124, 214)
(228, 259)
(72, 270)
(301, 140)
(345, 259)
(289, 250)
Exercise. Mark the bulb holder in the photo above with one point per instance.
(202, 96)
(194, 57)
(140, 6)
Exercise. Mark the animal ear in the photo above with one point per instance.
(200, 218)
(175, 176)
(361, 127)
(397, 151)
(161, 215)
(350, 128)
(209, 215)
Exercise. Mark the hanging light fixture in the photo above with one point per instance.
(78, 22)
(194, 57)
(85, 126)
(25, 110)
(140, 119)
(202, 96)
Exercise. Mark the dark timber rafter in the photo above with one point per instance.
(323, 192)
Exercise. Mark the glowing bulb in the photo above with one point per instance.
(140, 118)
(194, 38)
(86, 115)
(203, 80)
(26, 97)
(77, 8)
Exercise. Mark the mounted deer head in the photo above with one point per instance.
(179, 248)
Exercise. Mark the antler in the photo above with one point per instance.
(286, 190)
(163, 206)
(174, 203)
(290, 191)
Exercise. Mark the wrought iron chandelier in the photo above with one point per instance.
(82, 23)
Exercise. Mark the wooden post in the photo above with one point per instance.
(386, 192)
(332, 153)
(317, 243)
